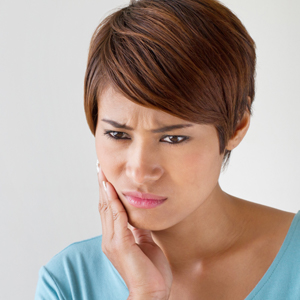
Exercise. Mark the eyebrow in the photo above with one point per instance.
(162, 129)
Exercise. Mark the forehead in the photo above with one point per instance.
(114, 105)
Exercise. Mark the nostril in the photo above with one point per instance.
(144, 174)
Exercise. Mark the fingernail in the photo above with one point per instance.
(98, 169)
(104, 185)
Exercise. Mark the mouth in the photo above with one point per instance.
(146, 201)
(143, 203)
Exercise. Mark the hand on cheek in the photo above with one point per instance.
(140, 262)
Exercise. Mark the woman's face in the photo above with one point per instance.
(181, 164)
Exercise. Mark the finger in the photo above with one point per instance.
(119, 214)
(101, 175)
(115, 222)
(136, 233)
(151, 249)
(130, 227)
(104, 209)
(142, 236)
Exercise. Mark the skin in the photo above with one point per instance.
(188, 245)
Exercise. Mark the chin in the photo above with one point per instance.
(149, 222)
(140, 223)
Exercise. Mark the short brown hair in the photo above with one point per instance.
(193, 59)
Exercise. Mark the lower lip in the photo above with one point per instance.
(144, 203)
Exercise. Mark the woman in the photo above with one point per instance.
(168, 93)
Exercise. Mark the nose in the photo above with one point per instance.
(143, 164)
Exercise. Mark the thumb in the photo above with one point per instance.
(146, 243)
(141, 236)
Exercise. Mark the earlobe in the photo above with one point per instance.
(240, 132)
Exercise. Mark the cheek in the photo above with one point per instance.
(109, 159)
(200, 169)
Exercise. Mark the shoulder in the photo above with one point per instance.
(266, 226)
(71, 260)
(83, 259)
(76, 252)
(275, 236)
(271, 245)
(267, 232)
(264, 220)
(80, 271)
(279, 253)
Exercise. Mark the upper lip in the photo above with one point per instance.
(143, 195)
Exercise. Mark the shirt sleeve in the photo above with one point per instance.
(47, 289)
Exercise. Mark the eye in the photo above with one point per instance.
(169, 139)
(117, 135)
(175, 139)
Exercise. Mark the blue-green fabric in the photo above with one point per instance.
(83, 272)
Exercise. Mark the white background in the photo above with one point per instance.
(48, 183)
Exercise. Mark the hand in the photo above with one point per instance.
(140, 261)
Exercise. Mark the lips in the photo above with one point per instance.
(144, 195)
(142, 200)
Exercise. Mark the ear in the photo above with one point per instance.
(240, 131)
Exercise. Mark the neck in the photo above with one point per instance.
(210, 231)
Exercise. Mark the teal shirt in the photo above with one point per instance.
(82, 272)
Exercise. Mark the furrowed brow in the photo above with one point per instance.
(171, 127)
(117, 125)
(162, 129)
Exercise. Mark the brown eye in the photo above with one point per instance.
(117, 135)
(175, 139)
